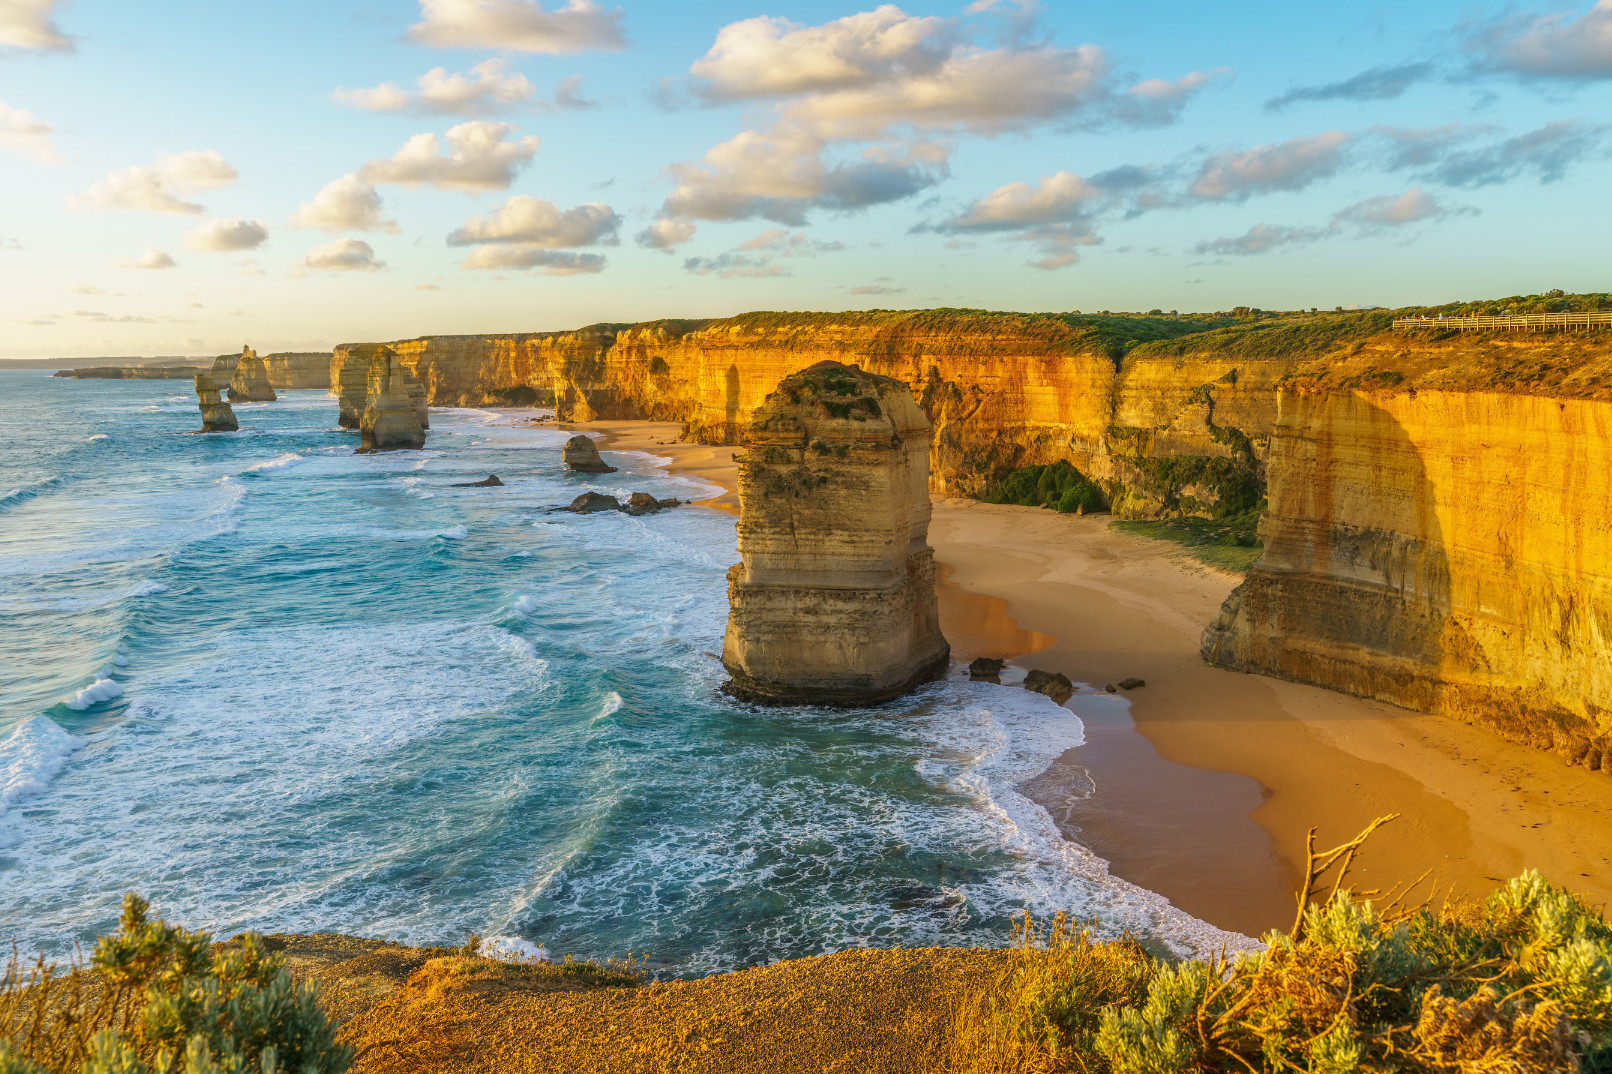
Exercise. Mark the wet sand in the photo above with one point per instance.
(1202, 784)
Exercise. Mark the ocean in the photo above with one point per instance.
(274, 685)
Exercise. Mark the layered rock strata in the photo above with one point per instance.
(391, 419)
(250, 382)
(217, 415)
(582, 455)
(1173, 426)
(1437, 536)
(351, 384)
(833, 602)
(298, 369)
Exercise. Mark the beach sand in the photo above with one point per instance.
(1204, 790)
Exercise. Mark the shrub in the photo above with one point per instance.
(1059, 486)
(1521, 982)
(160, 1000)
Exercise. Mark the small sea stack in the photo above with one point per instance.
(391, 421)
(217, 415)
(352, 383)
(250, 382)
(833, 602)
(582, 455)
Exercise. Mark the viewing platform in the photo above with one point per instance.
(1533, 322)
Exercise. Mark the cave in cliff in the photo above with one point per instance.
(833, 602)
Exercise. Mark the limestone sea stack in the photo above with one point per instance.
(250, 382)
(391, 420)
(582, 455)
(834, 600)
(352, 383)
(217, 415)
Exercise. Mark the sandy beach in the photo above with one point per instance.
(1204, 790)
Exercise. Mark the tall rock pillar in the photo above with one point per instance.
(391, 418)
(217, 415)
(834, 600)
(250, 382)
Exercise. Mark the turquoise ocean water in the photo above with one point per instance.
(275, 685)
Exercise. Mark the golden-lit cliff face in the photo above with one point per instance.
(1001, 391)
(298, 369)
(1438, 536)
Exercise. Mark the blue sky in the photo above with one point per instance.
(183, 177)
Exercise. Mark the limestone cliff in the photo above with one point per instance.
(349, 380)
(1169, 415)
(1437, 535)
(217, 415)
(298, 369)
(834, 599)
(250, 381)
(391, 418)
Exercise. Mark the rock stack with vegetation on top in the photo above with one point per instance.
(834, 600)
(391, 420)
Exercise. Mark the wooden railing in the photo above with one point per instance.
(1531, 321)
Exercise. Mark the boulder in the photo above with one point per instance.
(250, 381)
(490, 482)
(391, 421)
(833, 602)
(1052, 683)
(582, 455)
(1131, 684)
(642, 503)
(986, 669)
(589, 502)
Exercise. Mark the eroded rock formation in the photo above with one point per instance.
(1437, 536)
(298, 369)
(217, 415)
(582, 455)
(391, 420)
(833, 602)
(250, 381)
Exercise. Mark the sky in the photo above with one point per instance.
(180, 177)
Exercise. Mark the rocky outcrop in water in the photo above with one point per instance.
(250, 381)
(582, 455)
(217, 415)
(590, 502)
(833, 601)
(1437, 536)
(1054, 684)
(489, 482)
(391, 420)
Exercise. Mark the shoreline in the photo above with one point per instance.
(1202, 785)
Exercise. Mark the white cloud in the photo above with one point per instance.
(667, 233)
(1259, 239)
(225, 236)
(770, 57)
(485, 90)
(527, 256)
(153, 258)
(28, 24)
(519, 25)
(1060, 197)
(1369, 217)
(1550, 46)
(89, 289)
(535, 222)
(899, 82)
(159, 188)
(476, 158)
(1291, 165)
(23, 132)
(759, 255)
(345, 204)
(343, 255)
(876, 289)
(1415, 206)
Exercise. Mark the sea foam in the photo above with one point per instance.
(100, 690)
(279, 462)
(33, 755)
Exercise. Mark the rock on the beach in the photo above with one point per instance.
(1054, 684)
(986, 669)
(589, 502)
(391, 420)
(250, 381)
(642, 503)
(1131, 684)
(490, 482)
(834, 600)
(582, 455)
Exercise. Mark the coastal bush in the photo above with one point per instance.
(1059, 486)
(157, 999)
(1517, 983)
